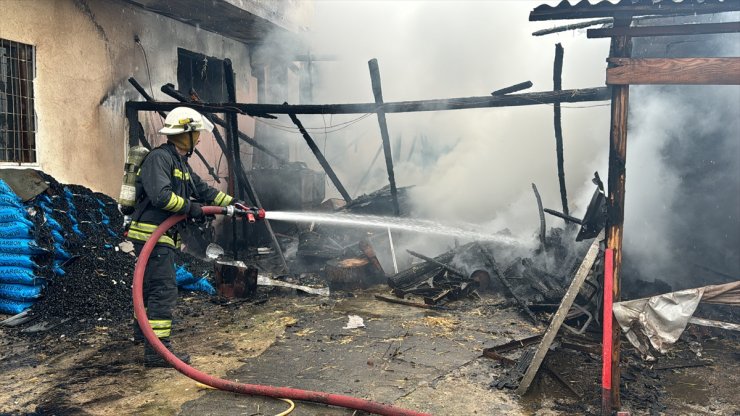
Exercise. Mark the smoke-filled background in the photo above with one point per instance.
(477, 165)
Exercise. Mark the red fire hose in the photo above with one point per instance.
(253, 389)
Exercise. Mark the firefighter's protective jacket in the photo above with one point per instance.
(165, 186)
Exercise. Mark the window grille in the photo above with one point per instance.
(17, 116)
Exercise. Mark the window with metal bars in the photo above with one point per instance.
(17, 115)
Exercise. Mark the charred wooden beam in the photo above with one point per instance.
(581, 25)
(320, 157)
(559, 317)
(666, 30)
(684, 71)
(233, 155)
(170, 90)
(557, 80)
(144, 94)
(490, 101)
(378, 93)
(494, 267)
(515, 344)
(572, 26)
(416, 273)
(438, 263)
(567, 218)
(407, 303)
(514, 88)
(543, 226)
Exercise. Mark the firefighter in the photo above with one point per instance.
(166, 186)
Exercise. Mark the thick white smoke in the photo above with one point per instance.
(477, 165)
(471, 165)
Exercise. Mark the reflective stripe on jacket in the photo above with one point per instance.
(166, 185)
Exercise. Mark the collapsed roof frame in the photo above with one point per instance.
(379, 107)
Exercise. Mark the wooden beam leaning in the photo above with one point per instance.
(463, 103)
(378, 93)
(667, 30)
(320, 157)
(685, 71)
(559, 317)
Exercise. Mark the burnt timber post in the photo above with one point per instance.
(378, 93)
(320, 157)
(557, 80)
(621, 47)
(543, 225)
(232, 128)
(233, 148)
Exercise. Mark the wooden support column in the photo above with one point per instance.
(621, 47)
(232, 146)
(558, 86)
(378, 93)
(232, 128)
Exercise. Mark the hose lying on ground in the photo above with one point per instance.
(221, 384)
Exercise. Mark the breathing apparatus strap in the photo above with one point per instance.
(192, 146)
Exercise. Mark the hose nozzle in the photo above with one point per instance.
(252, 214)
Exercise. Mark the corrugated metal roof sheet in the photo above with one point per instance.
(586, 10)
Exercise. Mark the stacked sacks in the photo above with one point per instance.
(20, 285)
(65, 241)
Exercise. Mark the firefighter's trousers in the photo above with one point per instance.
(160, 288)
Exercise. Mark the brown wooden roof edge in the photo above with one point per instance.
(586, 10)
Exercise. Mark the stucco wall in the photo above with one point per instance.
(85, 52)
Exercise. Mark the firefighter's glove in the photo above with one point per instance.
(195, 211)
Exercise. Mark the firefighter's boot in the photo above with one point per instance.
(152, 359)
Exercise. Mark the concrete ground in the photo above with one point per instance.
(414, 358)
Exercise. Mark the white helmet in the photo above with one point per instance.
(184, 119)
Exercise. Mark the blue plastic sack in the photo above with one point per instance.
(201, 285)
(19, 246)
(20, 275)
(51, 222)
(57, 236)
(76, 230)
(57, 268)
(19, 292)
(10, 200)
(44, 198)
(13, 307)
(15, 231)
(5, 189)
(184, 277)
(46, 208)
(17, 260)
(13, 215)
(60, 253)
